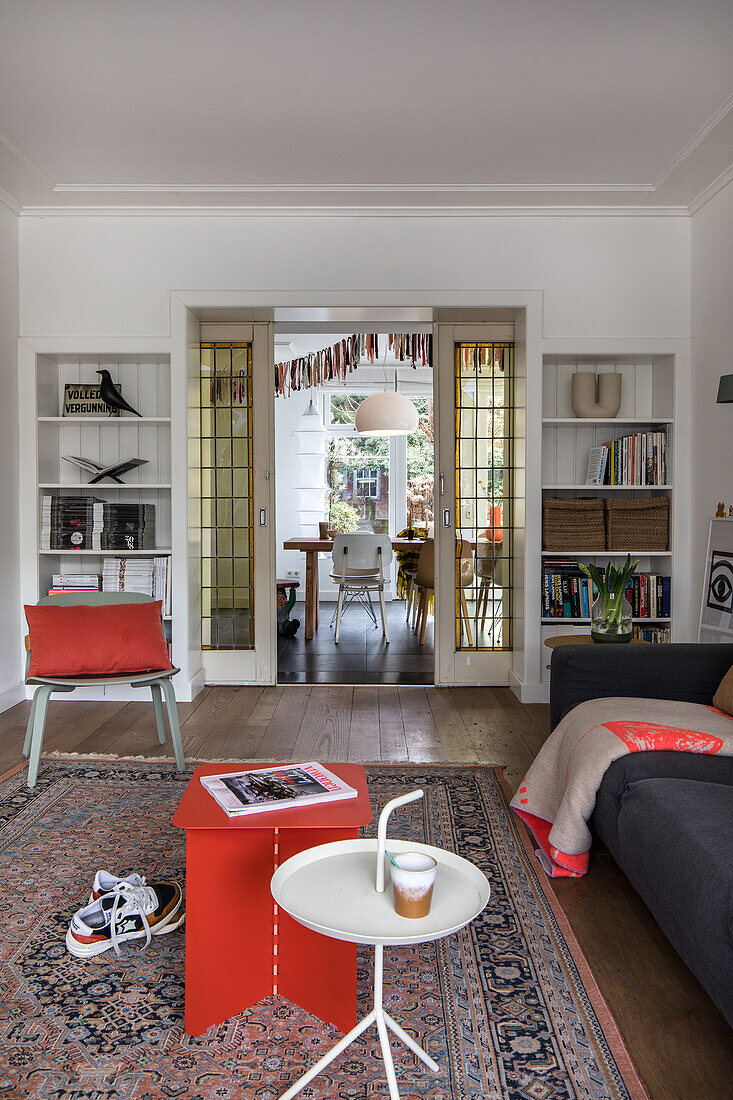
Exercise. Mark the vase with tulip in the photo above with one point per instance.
(611, 611)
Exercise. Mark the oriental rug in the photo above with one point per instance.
(507, 1006)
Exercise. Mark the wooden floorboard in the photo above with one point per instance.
(679, 1041)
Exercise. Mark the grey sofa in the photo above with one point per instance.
(666, 817)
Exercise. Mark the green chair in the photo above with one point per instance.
(159, 683)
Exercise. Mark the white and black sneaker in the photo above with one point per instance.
(104, 883)
(128, 912)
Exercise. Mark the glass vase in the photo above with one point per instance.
(611, 620)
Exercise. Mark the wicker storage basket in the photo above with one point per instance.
(576, 524)
(637, 524)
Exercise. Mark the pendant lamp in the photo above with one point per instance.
(386, 413)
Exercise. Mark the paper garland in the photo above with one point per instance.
(342, 358)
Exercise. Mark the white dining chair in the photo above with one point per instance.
(360, 564)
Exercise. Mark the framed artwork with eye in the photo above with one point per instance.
(716, 612)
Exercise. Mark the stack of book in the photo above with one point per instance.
(639, 459)
(74, 582)
(147, 575)
(66, 522)
(122, 526)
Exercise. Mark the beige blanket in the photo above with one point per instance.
(558, 794)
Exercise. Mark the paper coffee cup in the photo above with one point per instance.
(412, 883)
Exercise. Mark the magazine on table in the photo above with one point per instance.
(248, 792)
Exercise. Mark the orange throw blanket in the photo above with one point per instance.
(557, 796)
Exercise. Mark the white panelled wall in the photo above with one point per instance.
(620, 278)
(11, 659)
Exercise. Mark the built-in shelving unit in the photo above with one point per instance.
(145, 379)
(647, 404)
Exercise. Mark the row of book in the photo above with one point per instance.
(87, 523)
(568, 594)
(638, 459)
(654, 634)
(150, 576)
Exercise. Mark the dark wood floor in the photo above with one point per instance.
(679, 1041)
(362, 655)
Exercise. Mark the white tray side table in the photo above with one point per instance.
(331, 889)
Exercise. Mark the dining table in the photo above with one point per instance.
(312, 547)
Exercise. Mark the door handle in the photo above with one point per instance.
(446, 517)
(263, 517)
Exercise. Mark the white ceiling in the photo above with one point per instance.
(427, 103)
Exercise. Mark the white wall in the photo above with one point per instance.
(601, 276)
(11, 666)
(619, 277)
(712, 355)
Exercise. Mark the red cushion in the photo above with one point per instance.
(96, 640)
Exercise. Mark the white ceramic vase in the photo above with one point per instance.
(595, 396)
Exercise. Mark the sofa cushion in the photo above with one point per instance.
(675, 838)
(723, 698)
(96, 640)
(664, 764)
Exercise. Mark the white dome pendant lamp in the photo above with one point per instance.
(386, 413)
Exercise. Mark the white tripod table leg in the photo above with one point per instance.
(334, 1052)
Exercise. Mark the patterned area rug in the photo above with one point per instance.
(507, 1006)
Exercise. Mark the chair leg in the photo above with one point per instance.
(158, 708)
(464, 609)
(172, 709)
(43, 694)
(339, 607)
(422, 602)
(384, 615)
(29, 727)
(408, 598)
(424, 624)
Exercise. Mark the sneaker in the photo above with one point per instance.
(104, 883)
(128, 912)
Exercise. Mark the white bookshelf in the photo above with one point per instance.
(145, 380)
(647, 404)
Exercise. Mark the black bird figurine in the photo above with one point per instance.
(111, 395)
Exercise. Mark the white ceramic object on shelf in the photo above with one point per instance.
(595, 395)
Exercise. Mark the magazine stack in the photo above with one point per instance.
(74, 582)
(119, 526)
(147, 575)
(66, 522)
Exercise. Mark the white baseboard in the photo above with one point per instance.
(528, 693)
(11, 696)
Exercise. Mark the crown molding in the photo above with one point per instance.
(694, 141)
(711, 190)
(9, 201)
(407, 211)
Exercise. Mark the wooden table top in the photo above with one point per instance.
(326, 545)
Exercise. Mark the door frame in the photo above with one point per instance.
(388, 309)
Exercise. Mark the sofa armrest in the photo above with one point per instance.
(688, 672)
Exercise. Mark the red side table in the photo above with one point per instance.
(240, 947)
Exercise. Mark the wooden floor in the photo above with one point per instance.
(679, 1041)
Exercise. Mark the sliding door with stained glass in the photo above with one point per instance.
(237, 537)
(474, 516)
